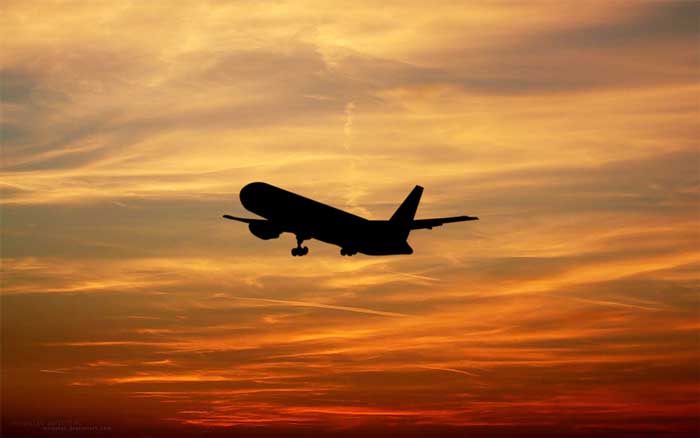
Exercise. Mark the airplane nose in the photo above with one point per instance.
(247, 195)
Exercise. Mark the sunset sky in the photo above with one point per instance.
(570, 128)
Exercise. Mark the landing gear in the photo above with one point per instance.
(347, 252)
(300, 250)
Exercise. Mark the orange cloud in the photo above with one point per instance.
(569, 308)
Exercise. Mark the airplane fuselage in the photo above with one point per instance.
(309, 219)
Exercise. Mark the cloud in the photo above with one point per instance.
(323, 306)
(128, 130)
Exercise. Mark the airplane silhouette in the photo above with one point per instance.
(287, 212)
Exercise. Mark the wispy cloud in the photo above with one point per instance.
(323, 306)
(572, 136)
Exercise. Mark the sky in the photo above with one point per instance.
(569, 128)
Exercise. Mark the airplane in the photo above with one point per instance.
(287, 212)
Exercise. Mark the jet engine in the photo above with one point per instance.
(264, 230)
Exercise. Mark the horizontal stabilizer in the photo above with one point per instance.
(419, 224)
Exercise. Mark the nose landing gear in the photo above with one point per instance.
(300, 250)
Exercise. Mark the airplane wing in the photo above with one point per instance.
(419, 224)
(243, 219)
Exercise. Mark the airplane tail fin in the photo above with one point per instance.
(403, 216)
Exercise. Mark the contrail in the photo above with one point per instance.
(323, 306)
(347, 127)
(449, 370)
(615, 303)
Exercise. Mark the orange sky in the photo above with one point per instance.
(569, 128)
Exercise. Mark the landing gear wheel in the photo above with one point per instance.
(300, 251)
